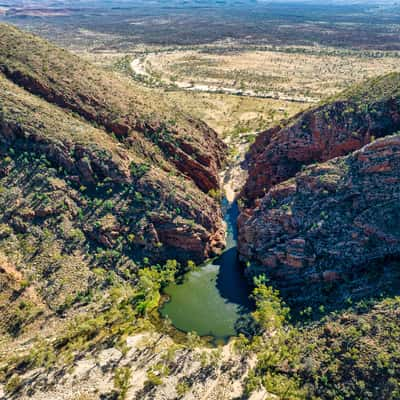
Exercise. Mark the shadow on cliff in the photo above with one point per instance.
(232, 285)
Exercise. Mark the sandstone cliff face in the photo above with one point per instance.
(329, 219)
(332, 130)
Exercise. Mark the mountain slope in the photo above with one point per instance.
(88, 194)
(156, 201)
(336, 128)
(324, 222)
(138, 140)
(133, 114)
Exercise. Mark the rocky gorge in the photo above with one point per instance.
(109, 195)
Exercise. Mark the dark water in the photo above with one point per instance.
(212, 299)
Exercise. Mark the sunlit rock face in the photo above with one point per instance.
(335, 129)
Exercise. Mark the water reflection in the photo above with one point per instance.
(213, 300)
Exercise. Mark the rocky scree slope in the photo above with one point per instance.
(329, 219)
(336, 128)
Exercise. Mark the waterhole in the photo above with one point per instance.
(212, 300)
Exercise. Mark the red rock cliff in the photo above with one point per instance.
(334, 129)
(329, 219)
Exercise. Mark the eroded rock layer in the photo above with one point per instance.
(339, 127)
(329, 219)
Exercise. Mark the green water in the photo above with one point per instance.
(213, 299)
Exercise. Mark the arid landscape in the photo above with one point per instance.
(309, 54)
(305, 74)
(199, 200)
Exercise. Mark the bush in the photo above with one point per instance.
(122, 378)
(138, 170)
(182, 388)
(13, 384)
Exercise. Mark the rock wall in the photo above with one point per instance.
(329, 220)
(332, 130)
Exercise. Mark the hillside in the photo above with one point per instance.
(326, 221)
(137, 117)
(336, 128)
(147, 142)
(349, 355)
(81, 192)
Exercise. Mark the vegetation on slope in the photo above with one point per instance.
(349, 355)
(85, 207)
(101, 176)
(104, 320)
(381, 88)
(135, 115)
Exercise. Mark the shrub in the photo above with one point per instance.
(13, 384)
(182, 388)
(122, 378)
(138, 170)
